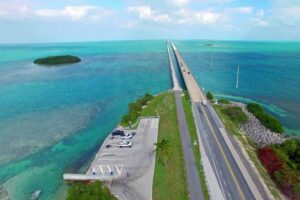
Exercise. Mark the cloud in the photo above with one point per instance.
(13, 9)
(208, 17)
(147, 13)
(260, 18)
(74, 12)
(202, 17)
(180, 3)
(240, 10)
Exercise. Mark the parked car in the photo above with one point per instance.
(118, 133)
(127, 136)
(125, 144)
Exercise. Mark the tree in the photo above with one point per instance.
(162, 150)
(210, 96)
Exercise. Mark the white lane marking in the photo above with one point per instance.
(154, 123)
(101, 170)
(109, 168)
(119, 170)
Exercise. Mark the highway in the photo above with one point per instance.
(193, 179)
(227, 176)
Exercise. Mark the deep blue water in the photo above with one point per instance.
(53, 119)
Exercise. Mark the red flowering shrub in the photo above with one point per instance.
(269, 159)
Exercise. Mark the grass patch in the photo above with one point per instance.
(169, 177)
(236, 115)
(250, 148)
(224, 101)
(194, 137)
(94, 190)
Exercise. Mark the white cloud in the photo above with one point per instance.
(180, 3)
(13, 9)
(74, 12)
(260, 18)
(202, 17)
(240, 10)
(147, 13)
(208, 17)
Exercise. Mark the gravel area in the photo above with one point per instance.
(256, 131)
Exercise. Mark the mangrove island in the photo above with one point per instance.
(57, 60)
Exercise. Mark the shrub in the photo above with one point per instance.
(224, 101)
(269, 159)
(236, 114)
(296, 189)
(148, 97)
(283, 164)
(135, 108)
(267, 120)
(91, 191)
(210, 96)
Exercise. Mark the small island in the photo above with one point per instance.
(57, 60)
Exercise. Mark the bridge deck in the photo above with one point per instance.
(193, 88)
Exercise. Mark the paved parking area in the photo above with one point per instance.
(131, 169)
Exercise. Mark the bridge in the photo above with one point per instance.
(228, 174)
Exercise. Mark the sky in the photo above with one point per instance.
(42, 21)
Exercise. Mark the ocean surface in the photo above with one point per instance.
(53, 120)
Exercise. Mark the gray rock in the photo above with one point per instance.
(256, 131)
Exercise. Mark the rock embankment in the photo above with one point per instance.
(257, 132)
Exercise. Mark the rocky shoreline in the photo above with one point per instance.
(256, 131)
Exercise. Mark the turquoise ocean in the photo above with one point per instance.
(53, 120)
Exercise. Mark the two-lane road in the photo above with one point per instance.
(224, 170)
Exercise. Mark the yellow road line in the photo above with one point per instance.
(223, 154)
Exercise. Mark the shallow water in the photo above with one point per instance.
(52, 120)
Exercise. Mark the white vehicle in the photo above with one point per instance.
(204, 102)
(125, 144)
(127, 136)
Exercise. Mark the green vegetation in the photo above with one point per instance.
(236, 114)
(250, 148)
(135, 109)
(210, 96)
(267, 120)
(224, 101)
(169, 175)
(162, 150)
(194, 137)
(57, 60)
(283, 164)
(91, 191)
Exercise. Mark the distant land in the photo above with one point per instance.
(57, 60)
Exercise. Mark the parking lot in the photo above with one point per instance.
(131, 169)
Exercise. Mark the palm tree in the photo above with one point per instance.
(162, 150)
